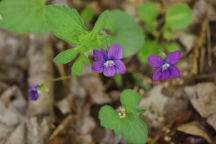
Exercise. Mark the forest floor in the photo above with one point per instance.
(178, 111)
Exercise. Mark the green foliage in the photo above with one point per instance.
(68, 25)
(23, 16)
(148, 12)
(172, 47)
(124, 31)
(167, 35)
(87, 14)
(77, 67)
(65, 23)
(42, 89)
(178, 16)
(101, 22)
(66, 56)
(131, 126)
(149, 48)
(118, 80)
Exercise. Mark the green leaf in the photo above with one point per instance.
(77, 67)
(149, 48)
(87, 14)
(124, 31)
(172, 47)
(23, 16)
(148, 12)
(118, 80)
(101, 22)
(167, 35)
(90, 42)
(131, 126)
(66, 56)
(109, 117)
(65, 23)
(178, 16)
(130, 100)
(85, 59)
(42, 89)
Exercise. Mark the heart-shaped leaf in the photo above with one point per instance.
(124, 31)
(130, 125)
(148, 12)
(178, 16)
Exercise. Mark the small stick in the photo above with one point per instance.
(209, 46)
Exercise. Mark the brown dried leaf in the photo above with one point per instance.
(195, 128)
(202, 96)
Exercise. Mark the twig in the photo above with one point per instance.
(199, 44)
(209, 46)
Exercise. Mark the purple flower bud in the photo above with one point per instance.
(165, 70)
(109, 63)
(33, 92)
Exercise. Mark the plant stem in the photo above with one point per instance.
(67, 77)
(60, 78)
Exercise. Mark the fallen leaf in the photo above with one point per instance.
(195, 128)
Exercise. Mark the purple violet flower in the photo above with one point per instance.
(165, 70)
(109, 63)
(33, 92)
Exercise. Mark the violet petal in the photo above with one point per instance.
(115, 52)
(173, 57)
(98, 66)
(120, 66)
(157, 75)
(100, 55)
(33, 93)
(155, 61)
(165, 75)
(109, 71)
(174, 71)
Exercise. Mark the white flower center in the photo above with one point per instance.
(121, 112)
(165, 66)
(109, 63)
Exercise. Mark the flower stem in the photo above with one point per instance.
(60, 78)
(67, 77)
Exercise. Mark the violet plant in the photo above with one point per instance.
(120, 31)
(109, 63)
(165, 70)
(33, 92)
(159, 36)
